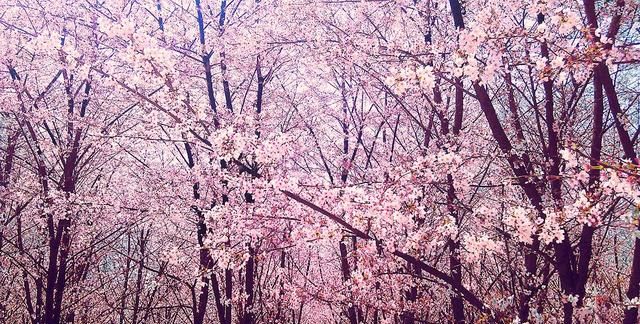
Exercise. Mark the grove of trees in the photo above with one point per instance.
(319, 161)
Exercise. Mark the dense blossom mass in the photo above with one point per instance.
(312, 161)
